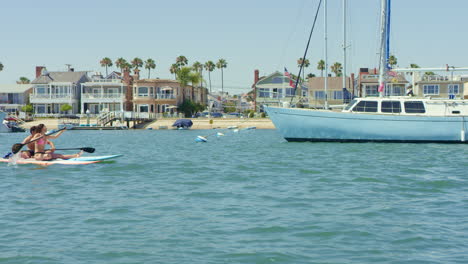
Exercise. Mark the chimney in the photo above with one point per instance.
(39, 70)
(256, 76)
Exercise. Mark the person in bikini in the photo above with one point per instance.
(40, 153)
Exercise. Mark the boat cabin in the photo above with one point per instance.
(408, 106)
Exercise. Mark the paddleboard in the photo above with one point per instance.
(74, 161)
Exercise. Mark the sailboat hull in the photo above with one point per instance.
(326, 126)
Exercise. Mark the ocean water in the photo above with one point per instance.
(247, 197)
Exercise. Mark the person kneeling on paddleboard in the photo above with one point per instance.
(40, 153)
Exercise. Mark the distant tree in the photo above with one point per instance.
(392, 61)
(413, 65)
(27, 108)
(1, 66)
(174, 68)
(306, 65)
(336, 68)
(310, 75)
(189, 108)
(23, 80)
(221, 64)
(121, 63)
(209, 67)
(150, 64)
(184, 76)
(181, 61)
(198, 67)
(65, 108)
(321, 67)
(429, 73)
(137, 63)
(106, 62)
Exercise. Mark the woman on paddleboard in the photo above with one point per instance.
(40, 153)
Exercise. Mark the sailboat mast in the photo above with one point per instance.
(326, 52)
(344, 46)
(383, 47)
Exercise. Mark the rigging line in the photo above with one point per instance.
(305, 53)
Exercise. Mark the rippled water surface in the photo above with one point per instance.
(248, 197)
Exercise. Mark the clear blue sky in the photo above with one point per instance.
(261, 34)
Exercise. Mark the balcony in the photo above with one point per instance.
(103, 96)
(51, 98)
(165, 96)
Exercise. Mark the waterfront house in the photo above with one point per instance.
(275, 89)
(14, 96)
(51, 90)
(157, 95)
(103, 94)
(439, 86)
(335, 93)
(368, 84)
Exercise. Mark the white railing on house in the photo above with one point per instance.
(103, 96)
(51, 96)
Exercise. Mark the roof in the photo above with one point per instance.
(69, 76)
(14, 88)
(274, 80)
(334, 83)
(156, 81)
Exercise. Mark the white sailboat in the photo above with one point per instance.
(377, 119)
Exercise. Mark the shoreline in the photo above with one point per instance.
(198, 123)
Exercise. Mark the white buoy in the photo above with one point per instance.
(219, 134)
(201, 139)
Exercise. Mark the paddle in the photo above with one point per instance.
(18, 146)
(85, 149)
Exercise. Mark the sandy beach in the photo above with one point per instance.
(166, 123)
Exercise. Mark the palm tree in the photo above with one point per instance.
(23, 80)
(337, 68)
(120, 63)
(183, 76)
(181, 61)
(127, 66)
(392, 61)
(106, 62)
(306, 65)
(150, 64)
(137, 63)
(174, 68)
(321, 67)
(413, 65)
(198, 67)
(209, 67)
(221, 64)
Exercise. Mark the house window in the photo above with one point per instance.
(393, 90)
(277, 93)
(40, 109)
(431, 89)
(372, 90)
(305, 92)
(366, 106)
(319, 94)
(338, 95)
(454, 89)
(263, 92)
(41, 89)
(391, 107)
(289, 92)
(143, 91)
(414, 107)
(143, 108)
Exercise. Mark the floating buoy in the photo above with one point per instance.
(235, 130)
(219, 134)
(201, 139)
